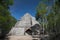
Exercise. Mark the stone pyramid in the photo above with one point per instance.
(26, 19)
(23, 24)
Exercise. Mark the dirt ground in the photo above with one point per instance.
(20, 38)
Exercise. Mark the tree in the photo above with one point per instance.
(41, 14)
(6, 20)
(53, 20)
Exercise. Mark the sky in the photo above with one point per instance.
(20, 7)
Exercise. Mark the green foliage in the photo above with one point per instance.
(54, 20)
(6, 3)
(6, 20)
(10, 2)
(42, 8)
(54, 16)
(41, 11)
(41, 14)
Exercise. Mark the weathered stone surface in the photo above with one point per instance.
(23, 24)
(17, 31)
(26, 19)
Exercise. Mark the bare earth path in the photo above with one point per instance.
(20, 38)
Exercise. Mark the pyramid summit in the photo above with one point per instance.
(27, 14)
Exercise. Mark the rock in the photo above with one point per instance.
(23, 24)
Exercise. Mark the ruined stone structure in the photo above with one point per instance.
(27, 28)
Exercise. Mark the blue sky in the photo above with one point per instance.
(20, 7)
